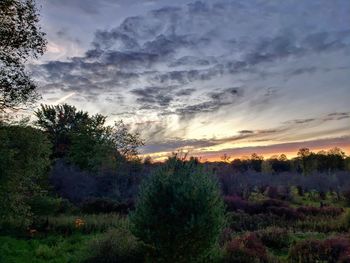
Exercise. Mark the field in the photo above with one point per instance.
(265, 225)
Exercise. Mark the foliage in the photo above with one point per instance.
(331, 250)
(21, 38)
(274, 237)
(179, 212)
(69, 224)
(320, 211)
(24, 165)
(246, 222)
(54, 249)
(116, 246)
(86, 140)
(46, 205)
(246, 249)
(124, 141)
(62, 122)
(345, 220)
(269, 206)
(105, 205)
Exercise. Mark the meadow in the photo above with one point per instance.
(276, 222)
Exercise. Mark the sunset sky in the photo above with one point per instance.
(211, 77)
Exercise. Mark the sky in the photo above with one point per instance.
(208, 77)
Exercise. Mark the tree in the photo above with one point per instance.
(225, 158)
(21, 38)
(86, 140)
(307, 159)
(336, 158)
(24, 165)
(256, 162)
(179, 212)
(60, 121)
(124, 141)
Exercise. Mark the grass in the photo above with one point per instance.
(54, 248)
(68, 224)
(65, 241)
(68, 237)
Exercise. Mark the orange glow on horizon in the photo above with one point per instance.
(266, 153)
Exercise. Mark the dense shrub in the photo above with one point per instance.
(236, 203)
(331, 250)
(246, 249)
(116, 246)
(24, 166)
(239, 221)
(285, 212)
(274, 202)
(105, 205)
(345, 220)
(65, 224)
(320, 211)
(274, 237)
(179, 212)
(270, 206)
(47, 205)
(346, 194)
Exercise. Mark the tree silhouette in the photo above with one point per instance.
(21, 38)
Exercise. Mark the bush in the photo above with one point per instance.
(105, 205)
(46, 205)
(179, 212)
(330, 250)
(45, 252)
(320, 211)
(236, 203)
(274, 237)
(67, 225)
(346, 195)
(24, 165)
(285, 212)
(245, 222)
(345, 221)
(246, 249)
(116, 246)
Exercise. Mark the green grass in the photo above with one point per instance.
(64, 243)
(54, 248)
(66, 224)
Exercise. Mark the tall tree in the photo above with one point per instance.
(86, 140)
(60, 121)
(24, 166)
(21, 38)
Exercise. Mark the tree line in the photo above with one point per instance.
(306, 162)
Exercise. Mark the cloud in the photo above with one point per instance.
(284, 130)
(154, 95)
(218, 60)
(216, 101)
